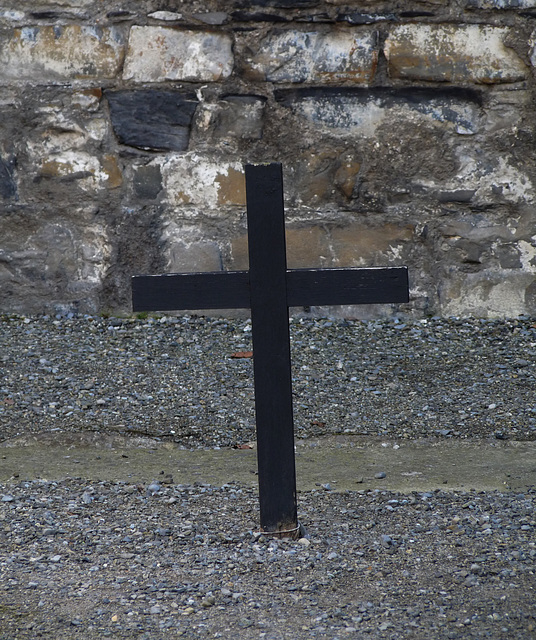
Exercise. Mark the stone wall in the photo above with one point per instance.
(406, 131)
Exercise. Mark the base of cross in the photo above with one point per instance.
(269, 289)
(286, 531)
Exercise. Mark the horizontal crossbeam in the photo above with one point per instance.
(305, 287)
(178, 291)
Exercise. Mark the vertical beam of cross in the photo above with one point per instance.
(271, 347)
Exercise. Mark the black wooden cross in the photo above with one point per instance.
(269, 289)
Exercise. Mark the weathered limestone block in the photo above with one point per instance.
(166, 16)
(239, 117)
(311, 56)
(202, 182)
(362, 111)
(488, 294)
(359, 245)
(70, 257)
(307, 247)
(156, 54)
(60, 130)
(484, 180)
(89, 172)
(49, 54)
(152, 119)
(187, 251)
(449, 53)
(322, 176)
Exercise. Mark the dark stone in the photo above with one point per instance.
(120, 14)
(152, 119)
(280, 4)
(46, 15)
(460, 195)
(240, 117)
(257, 16)
(385, 95)
(416, 14)
(8, 188)
(471, 251)
(509, 257)
(148, 182)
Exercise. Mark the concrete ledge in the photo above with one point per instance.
(336, 463)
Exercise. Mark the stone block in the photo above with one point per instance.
(152, 119)
(307, 247)
(361, 246)
(52, 263)
(488, 294)
(202, 182)
(452, 53)
(486, 180)
(362, 111)
(239, 118)
(156, 54)
(343, 55)
(89, 172)
(147, 182)
(323, 176)
(8, 186)
(239, 259)
(185, 255)
(60, 53)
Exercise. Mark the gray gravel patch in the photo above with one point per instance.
(176, 378)
(115, 560)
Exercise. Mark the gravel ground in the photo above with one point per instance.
(162, 561)
(177, 379)
(110, 560)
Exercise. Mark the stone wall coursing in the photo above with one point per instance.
(406, 131)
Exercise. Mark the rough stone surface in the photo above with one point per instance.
(60, 53)
(446, 53)
(156, 54)
(360, 112)
(150, 119)
(198, 181)
(298, 56)
(406, 134)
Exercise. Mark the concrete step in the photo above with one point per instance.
(332, 463)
